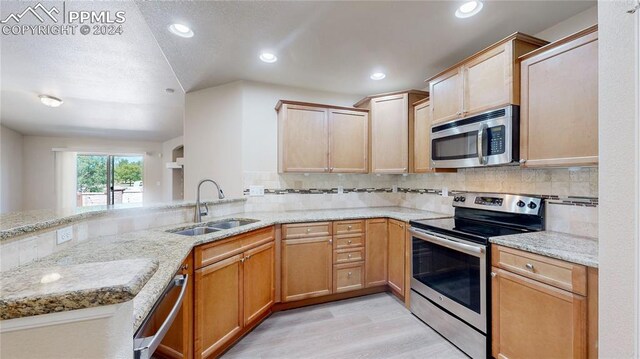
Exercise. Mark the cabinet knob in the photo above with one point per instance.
(349, 256)
(529, 266)
(184, 267)
(349, 242)
(523, 161)
(349, 227)
(458, 113)
(493, 274)
(349, 274)
(330, 240)
(308, 230)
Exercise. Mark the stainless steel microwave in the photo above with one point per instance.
(487, 139)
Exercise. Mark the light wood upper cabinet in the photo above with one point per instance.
(259, 281)
(446, 95)
(559, 112)
(390, 134)
(303, 139)
(484, 81)
(307, 266)
(396, 252)
(392, 130)
(376, 243)
(422, 137)
(321, 138)
(349, 141)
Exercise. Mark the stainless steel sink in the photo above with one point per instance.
(196, 231)
(231, 223)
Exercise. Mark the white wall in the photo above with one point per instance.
(619, 165)
(167, 173)
(260, 126)
(213, 140)
(10, 170)
(38, 191)
(571, 25)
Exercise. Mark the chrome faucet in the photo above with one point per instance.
(199, 212)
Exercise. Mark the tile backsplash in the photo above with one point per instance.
(554, 182)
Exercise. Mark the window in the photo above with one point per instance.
(108, 179)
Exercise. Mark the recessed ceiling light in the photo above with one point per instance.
(469, 9)
(181, 30)
(378, 76)
(50, 101)
(268, 57)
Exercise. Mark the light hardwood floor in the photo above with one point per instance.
(375, 326)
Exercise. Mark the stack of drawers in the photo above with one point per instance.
(348, 255)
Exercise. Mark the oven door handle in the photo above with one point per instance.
(449, 243)
(144, 347)
(481, 157)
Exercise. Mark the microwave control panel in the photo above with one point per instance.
(496, 142)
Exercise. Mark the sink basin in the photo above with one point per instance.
(231, 223)
(196, 231)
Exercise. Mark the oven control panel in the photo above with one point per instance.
(499, 202)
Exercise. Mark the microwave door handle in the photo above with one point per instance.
(481, 157)
(144, 347)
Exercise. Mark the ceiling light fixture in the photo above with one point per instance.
(50, 101)
(181, 30)
(377, 76)
(469, 9)
(268, 57)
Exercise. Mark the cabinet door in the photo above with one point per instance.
(390, 134)
(304, 139)
(535, 320)
(376, 252)
(559, 113)
(218, 302)
(259, 281)
(177, 343)
(445, 93)
(422, 137)
(488, 80)
(396, 250)
(306, 268)
(349, 141)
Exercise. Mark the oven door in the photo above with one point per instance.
(483, 140)
(451, 272)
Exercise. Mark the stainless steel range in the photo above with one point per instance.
(451, 260)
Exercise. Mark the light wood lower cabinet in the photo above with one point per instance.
(348, 276)
(542, 307)
(396, 252)
(307, 266)
(218, 302)
(233, 292)
(376, 243)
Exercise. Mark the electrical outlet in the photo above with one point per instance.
(340, 190)
(255, 191)
(64, 235)
(445, 192)
(394, 188)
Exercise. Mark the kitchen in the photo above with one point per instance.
(234, 179)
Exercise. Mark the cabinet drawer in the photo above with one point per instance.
(560, 274)
(348, 277)
(348, 227)
(348, 241)
(212, 252)
(306, 230)
(348, 255)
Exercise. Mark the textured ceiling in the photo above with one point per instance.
(112, 86)
(335, 46)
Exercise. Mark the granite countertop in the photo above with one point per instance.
(18, 223)
(575, 249)
(167, 250)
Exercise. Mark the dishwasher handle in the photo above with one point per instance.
(144, 347)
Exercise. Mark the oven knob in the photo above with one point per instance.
(456, 199)
(462, 199)
(520, 204)
(532, 205)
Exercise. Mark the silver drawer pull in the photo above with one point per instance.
(349, 274)
(529, 266)
(349, 256)
(349, 242)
